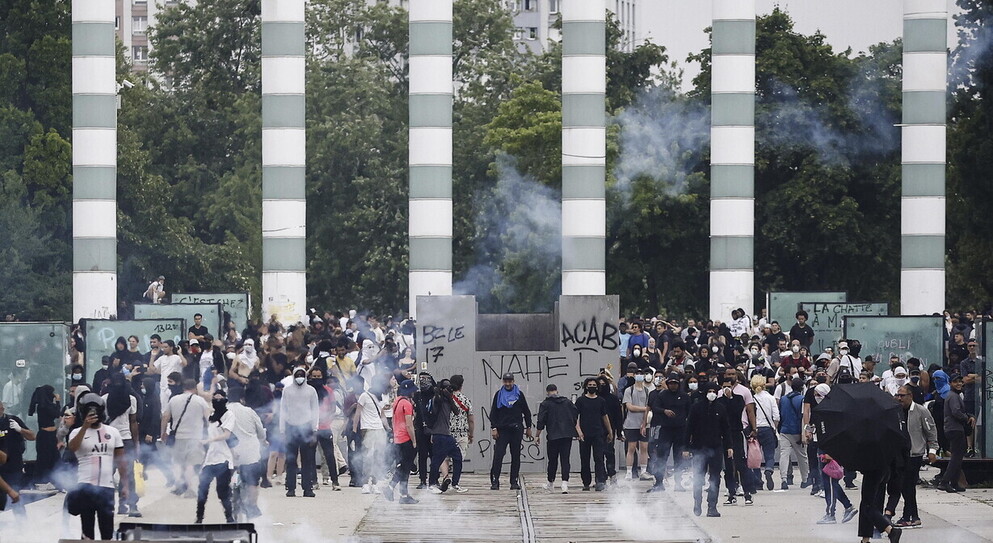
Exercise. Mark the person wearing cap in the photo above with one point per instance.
(845, 368)
(510, 419)
(561, 418)
(98, 448)
(627, 380)
(708, 441)
(299, 410)
(405, 439)
(665, 423)
(957, 423)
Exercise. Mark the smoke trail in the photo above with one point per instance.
(518, 245)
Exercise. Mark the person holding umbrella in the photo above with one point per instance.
(861, 427)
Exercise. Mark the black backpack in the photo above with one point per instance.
(845, 375)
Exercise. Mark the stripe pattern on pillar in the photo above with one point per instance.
(584, 147)
(284, 157)
(430, 149)
(94, 159)
(922, 269)
(732, 158)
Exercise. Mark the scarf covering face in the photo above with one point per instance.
(507, 398)
(369, 351)
(941, 383)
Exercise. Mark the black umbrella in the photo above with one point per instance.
(860, 426)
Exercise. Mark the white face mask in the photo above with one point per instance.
(711, 396)
(755, 352)
(300, 380)
(249, 350)
(796, 348)
(639, 378)
(693, 386)
(843, 352)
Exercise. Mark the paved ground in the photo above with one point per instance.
(622, 513)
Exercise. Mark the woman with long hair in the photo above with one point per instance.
(46, 404)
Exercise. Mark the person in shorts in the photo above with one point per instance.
(186, 414)
(636, 407)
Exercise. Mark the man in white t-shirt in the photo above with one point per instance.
(251, 434)
(368, 418)
(188, 414)
(122, 415)
(99, 449)
(164, 364)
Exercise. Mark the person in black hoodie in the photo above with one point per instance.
(510, 419)
(423, 395)
(668, 411)
(561, 417)
(616, 414)
(595, 432)
(708, 440)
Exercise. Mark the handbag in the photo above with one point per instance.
(754, 454)
(171, 436)
(833, 470)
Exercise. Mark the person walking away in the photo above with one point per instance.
(98, 448)
(404, 437)
(46, 404)
(368, 419)
(595, 432)
(218, 464)
(13, 433)
(636, 406)
(298, 421)
(809, 401)
(122, 414)
(561, 418)
(766, 420)
(443, 445)
(247, 453)
(923, 440)
(666, 422)
(958, 423)
(327, 408)
(615, 411)
(708, 442)
(510, 418)
(790, 435)
(189, 411)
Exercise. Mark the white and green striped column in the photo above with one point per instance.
(284, 157)
(732, 158)
(94, 160)
(922, 269)
(584, 147)
(430, 149)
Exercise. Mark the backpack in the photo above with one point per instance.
(845, 375)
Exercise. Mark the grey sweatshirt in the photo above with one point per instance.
(298, 407)
(955, 416)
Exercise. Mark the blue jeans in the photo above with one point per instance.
(444, 446)
(833, 493)
(767, 438)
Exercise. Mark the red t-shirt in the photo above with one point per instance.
(401, 408)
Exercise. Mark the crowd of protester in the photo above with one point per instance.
(695, 404)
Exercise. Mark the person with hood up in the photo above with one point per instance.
(510, 419)
(421, 398)
(299, 419)
(367, 362)
(708, 442)
(219, 461)
(122, 414)
(561, 417)
(46, 404)
(666, 422)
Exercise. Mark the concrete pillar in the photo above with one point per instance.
(284, 158)
(732, 159)
(922, 226)
(94, 160)
(584, 147)
(430, 149)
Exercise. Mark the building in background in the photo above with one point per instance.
(134, 18)
(534, 20)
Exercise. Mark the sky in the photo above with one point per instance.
(679, 24)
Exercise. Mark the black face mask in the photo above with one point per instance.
(821, 378)
(176, 389)
(591, 391)
(220, 405)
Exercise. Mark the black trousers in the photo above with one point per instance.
(594, 446)
(903, 483)
(48, 454)
(736, 471)
(610, 458)
(402, 473)
(325, 440)
(670, 440)
(871, 506)
(423, 454)
(511, 436)
(558, 453)
(956, 446)
(98, 505)
(813, 462)
(707, 466)
(301, 442)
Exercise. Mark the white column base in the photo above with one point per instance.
(922, 291)
(731, 289)
(284, 294)
(94, 295)
(584, 283)
(428, 283)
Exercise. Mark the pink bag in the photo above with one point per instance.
(834, 470)
(754, 454)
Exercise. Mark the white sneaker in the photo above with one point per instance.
(546, 486)
(628, 476)
(645, 476)
(434, 489)
(459, 489)
(367, 488)
(565, 487)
